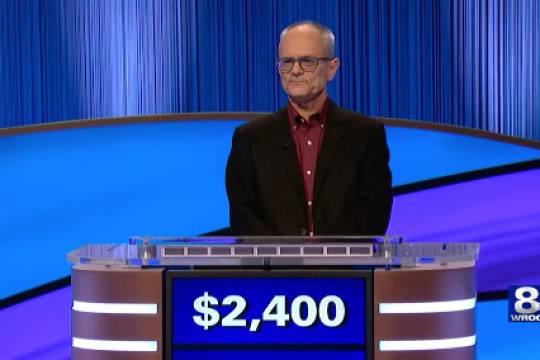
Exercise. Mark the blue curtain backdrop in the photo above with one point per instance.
(472, 63)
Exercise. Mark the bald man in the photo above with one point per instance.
(311, 168)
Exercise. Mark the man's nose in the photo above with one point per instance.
(296, 68)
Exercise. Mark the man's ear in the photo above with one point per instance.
(333, 66)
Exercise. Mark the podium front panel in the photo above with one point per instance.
(269, 314)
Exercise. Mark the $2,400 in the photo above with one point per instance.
(304, 311)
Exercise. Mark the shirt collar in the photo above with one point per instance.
(295, 118)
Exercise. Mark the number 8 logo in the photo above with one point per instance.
(533, 295)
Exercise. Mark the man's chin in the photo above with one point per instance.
(299, 97)
(302, 97)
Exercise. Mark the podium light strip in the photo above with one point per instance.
(427, 307)
(114, 308)
(114, 345)
(439, 344)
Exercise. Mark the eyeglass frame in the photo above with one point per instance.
(298, 60)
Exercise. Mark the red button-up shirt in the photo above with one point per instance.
(307, 135)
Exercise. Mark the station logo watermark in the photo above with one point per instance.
(524, 303)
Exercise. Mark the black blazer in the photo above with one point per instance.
(352, 193)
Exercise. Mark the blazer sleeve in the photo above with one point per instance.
(375, 192)
(241, 183)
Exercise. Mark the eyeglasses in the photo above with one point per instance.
(307, 63)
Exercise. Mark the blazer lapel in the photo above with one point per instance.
(333, 134)
(286, 149)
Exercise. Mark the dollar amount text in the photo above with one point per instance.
(302, 311)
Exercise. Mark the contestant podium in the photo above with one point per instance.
(268, 297)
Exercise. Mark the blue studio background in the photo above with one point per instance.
(463, 62)
(466, 63)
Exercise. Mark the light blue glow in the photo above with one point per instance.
(62, 189)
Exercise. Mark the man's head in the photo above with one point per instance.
(311, 46)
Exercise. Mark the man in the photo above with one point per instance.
(312, 168)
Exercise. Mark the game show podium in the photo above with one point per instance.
(274, 297)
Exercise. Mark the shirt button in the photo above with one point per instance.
(309, 203)
(309, 142)
(308, 172)
(311, 233)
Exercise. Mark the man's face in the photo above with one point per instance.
(305, 86)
